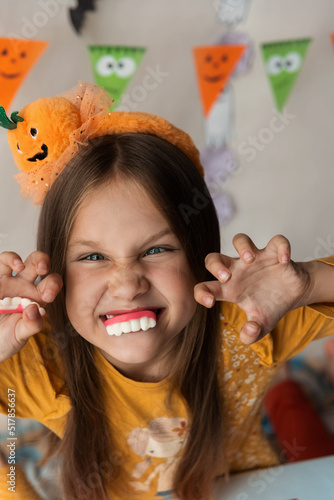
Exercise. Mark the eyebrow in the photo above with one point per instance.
(94, 244)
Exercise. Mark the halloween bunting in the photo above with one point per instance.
(17, 57)
(214, 66)
(78, 14)
(113, 68)
(283, 62)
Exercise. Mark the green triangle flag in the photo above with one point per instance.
(114, 66)
(283, 61)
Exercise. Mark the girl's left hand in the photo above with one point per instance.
(265, 283)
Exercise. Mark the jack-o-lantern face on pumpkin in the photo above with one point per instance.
(214, 65)
(43, 131)
(16, 59)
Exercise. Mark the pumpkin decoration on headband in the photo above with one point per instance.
(48, 132)
(42, 131)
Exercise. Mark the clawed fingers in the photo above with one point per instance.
(9, 262)
(245, 247)
(218, 265)
(250, 332)
(49, 287)
(208, 292)
(257, 282)
(24, 283)
(36, 264)
(282, 246)
(248, 250)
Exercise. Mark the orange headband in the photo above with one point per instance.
(47, 133)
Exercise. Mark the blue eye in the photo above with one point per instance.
(155, 250)
(94, 256)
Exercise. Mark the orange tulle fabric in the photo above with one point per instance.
(94, 103)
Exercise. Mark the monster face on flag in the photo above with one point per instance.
(283, 62)
(114, 67)
(214, 66)
(17, 57)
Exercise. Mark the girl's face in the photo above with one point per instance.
(123, 256)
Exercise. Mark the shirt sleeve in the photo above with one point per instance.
(33, 377)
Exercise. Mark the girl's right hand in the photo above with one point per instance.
(16, 328)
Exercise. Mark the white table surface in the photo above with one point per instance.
(307, 480)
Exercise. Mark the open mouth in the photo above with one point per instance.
(40, 156)
(131, 322)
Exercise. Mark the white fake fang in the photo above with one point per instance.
(130, 322)
(10, 305)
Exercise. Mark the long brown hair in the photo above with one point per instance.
(179, 192)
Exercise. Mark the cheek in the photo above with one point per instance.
(77, 293)
(179, 288)
(172, 278)
(83, 292)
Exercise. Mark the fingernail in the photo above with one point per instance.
(285, 257)
(32, 313)
(248, 256)
(223, 276)
(252, 329)
(42, 268)
(208, 301)
(18, 262)
(47, 296)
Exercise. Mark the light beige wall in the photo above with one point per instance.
(286, 189)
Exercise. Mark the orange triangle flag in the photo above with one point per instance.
(332, 37)
(17, 57)
(214, 66)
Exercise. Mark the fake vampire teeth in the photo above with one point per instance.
(10, 305)
(130, 322)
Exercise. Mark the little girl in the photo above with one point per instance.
(156, 352)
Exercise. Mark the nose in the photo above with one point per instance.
(127, 284)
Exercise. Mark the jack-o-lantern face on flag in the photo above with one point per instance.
(17, 57)
(214, 67)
